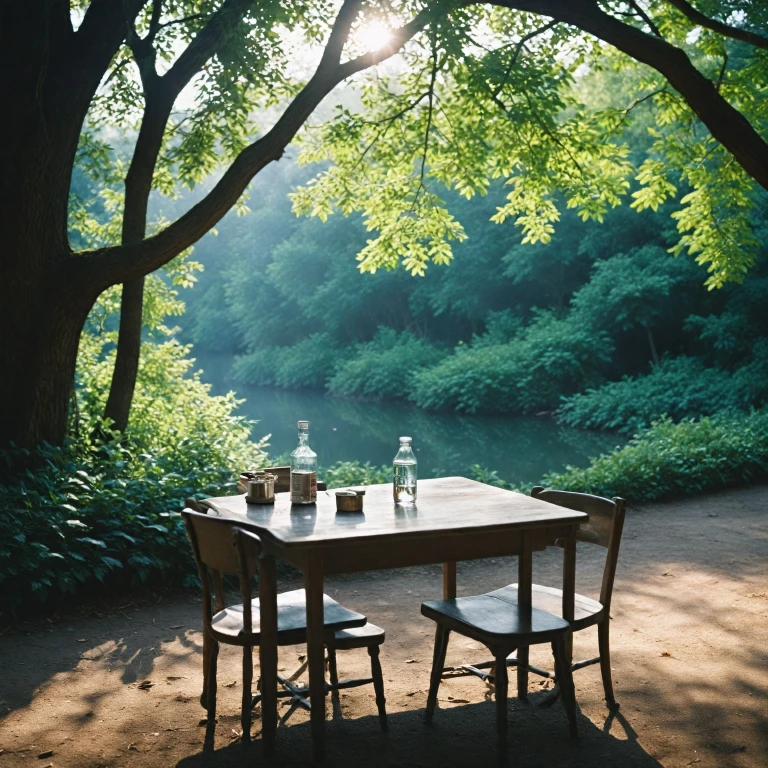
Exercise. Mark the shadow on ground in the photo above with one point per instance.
(461, 735)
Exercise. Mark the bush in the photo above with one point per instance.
(383, 368)
(354, 473)
(682, 459)
(307, 364)
(680, 388)
(96, 512)
(548, 358)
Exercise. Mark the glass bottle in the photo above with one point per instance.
(404, 473)
(303, 469)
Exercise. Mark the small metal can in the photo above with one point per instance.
(349, 501)
(261, 488)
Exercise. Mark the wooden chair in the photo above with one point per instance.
(221, 547)
(502, 627)
(605, 526)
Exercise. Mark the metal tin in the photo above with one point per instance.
(260, 488)
(349, 501)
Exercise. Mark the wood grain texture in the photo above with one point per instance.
(452, 505)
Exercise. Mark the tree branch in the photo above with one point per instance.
(645, 17)
(725, 122)
(118, 264)
(697, 17)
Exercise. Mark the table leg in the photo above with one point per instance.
(268, 652)
(313, 583)
(449, 581)
(525, 603)
(569, 585)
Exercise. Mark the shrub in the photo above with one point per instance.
(354, 473)
(307, 364)
(671, 459)
(548, 358)
(680, 388)
(384, 367)
(96, 512)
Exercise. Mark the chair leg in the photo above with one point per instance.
(522, 673)
(603, 639)
(564, 675)
(332, 669)
(211, 682)
(207, 641)
(438, 661)
(245, 714)
(378, 685)
(502, 687)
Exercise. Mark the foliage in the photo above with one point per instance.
(95, 513)
(679, 388)
(383, 367)
(304, 364)
(546, 359)
(460, 115)
(344, 473)
(671, 459)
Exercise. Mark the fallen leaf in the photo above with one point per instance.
(182, 698)
(458, 701)
(174, 677)
(302, 656)
(176, 626)
(203, 721)
(667, 573)
(235, 734)
(412, 693)
(133, 747)
(666, 653)
(47, 753)
(155, 734)
(410, 661)
(145, 685)
(83, 640)
(230, 685)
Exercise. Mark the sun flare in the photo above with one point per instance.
(373, 36)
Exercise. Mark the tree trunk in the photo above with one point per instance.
(126, 370)
(37, 356)
(652, 344)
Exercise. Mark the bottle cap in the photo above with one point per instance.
(405, 439)
(303, 425)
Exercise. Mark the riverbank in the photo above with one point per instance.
(690, 617)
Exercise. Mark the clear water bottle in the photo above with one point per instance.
(303, 469)
(404, 473)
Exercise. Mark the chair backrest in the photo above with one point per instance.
(220, 546)
(604, 528)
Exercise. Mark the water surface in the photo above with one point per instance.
(519, 448)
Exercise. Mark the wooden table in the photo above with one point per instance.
(454, 519)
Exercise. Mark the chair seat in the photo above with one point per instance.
(490, 619)
(227, 625)
(586, 610)
(357, 637)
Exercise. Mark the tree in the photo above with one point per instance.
(506, 98)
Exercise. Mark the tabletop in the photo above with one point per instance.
(444, 505)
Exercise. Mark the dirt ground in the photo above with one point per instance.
(690, 659)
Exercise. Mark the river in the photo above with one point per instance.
(520, 448)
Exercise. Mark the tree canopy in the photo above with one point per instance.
(480, 91)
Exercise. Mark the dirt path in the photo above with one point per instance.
(690, 654)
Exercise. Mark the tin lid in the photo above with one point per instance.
(346, 493)
(357, 491)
